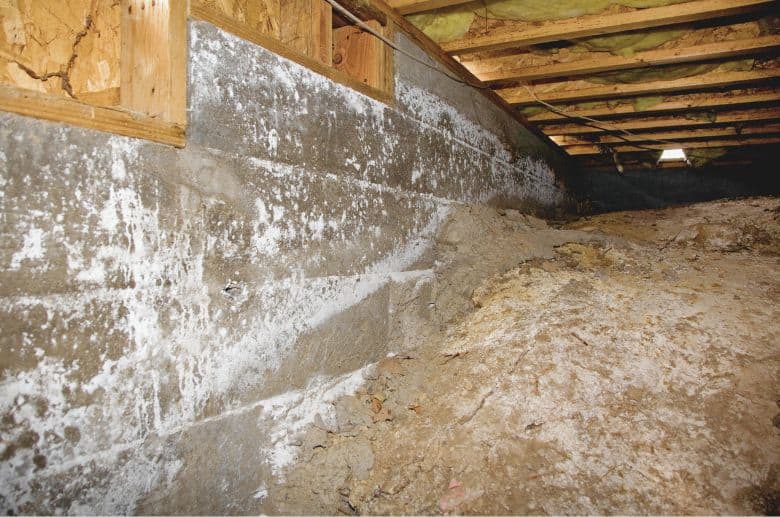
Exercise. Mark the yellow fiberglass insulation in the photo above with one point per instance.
(546, 10)
(701, 157)
(638, 103)
(627, 44)
(667, 73)
(446, 26)
(645, 103)
(451, 23)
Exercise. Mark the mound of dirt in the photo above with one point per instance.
(627, 363)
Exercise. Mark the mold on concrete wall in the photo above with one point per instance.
(158, 305)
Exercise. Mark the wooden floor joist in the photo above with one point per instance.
(608, 165)
(510, 36)
(678, 135)
(596, 62)
(728, 117)
(580, 91)
(695, 101)
(579, 150)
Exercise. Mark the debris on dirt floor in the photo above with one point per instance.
(453, 497)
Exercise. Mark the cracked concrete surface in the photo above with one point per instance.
(634, 370)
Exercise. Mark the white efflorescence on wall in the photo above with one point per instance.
(154, 290)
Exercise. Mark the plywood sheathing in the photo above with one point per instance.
(307, 26)
(73, 52)
(261, 15)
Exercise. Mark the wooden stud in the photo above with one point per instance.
(511, 36)
(152, 63)
(177, 109)
(576, 91)
(388, 79)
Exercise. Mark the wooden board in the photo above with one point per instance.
(679, 135)
(153, 70)
(360, 54)
(727, 117)
(670, 103)
(70, 111)
(260, 15)
(74, 53)
(687, 36)
(307, 27)
(596, 62)
(524, 35)
(364, 10)
(578, 91)
(593, 149)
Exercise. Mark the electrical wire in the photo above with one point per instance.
(583, 120)
(598, 124)
(365, 27)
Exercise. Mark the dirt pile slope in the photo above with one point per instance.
(629, 363)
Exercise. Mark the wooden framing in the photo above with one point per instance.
(594, 149)
(365, 11)
(608, 166)
(727, 117)
(114, 120)
(513, 36)
(382, 91)
(154, 51)
(306, 26)
(671, 103)
(150, 100)
(360, 55)
(593, 63)
(153, 65)
(500, 54)
(580, 91)
(677, 135)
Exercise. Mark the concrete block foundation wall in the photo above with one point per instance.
(169, 316)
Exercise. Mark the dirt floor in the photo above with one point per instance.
(632, 367)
